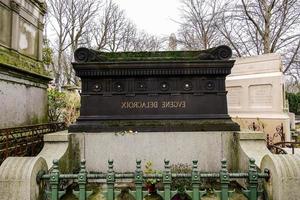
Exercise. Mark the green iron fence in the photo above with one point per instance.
(252, 192)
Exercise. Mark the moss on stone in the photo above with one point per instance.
(70, 161)
(35, 119)
(17, 60)
(156, 55)
(164, 55)
(234, 152)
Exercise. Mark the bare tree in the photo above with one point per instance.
(59, 25)
(112, 31)
(81, 13)
(146, 42)
(198, 28)
(95, 24)
(67, 20)
(108, 29)
(254, 27)
(274, 24)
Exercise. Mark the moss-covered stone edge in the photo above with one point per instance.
(14, 59)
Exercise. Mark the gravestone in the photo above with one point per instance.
(256, 96)
(153, 91)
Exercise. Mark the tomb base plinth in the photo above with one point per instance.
(209, 148)
(155, 125)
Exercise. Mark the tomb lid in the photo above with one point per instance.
(221, 53)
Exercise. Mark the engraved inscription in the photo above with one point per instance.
(260, 95)
(152, 104)
(139, 104)
(234, 96)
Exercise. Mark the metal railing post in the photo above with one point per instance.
(54, 182)
(82, 194)
(167, 180)
(138, 177)
(224, 180)
(110, 181)
(252, 192)
(195, 181)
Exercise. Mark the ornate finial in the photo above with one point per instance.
(224, 165)
(195, 164)
(110, 165)
(138, 164)
(252, 165)
(55, 164)
(167, 163)
(82, 164)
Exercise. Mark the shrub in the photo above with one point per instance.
(63, 106)
(72, 106)
(56, 103)
(181, 184)
(294, 102)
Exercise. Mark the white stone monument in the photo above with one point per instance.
(256, 96)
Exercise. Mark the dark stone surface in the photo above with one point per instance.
(155, 125)
(127, 90)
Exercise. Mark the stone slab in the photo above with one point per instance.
(61, 136)
(209, 148)
(56, 146)
(250, 135)
(23, 102)
(251, 145)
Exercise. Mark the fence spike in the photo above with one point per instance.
(195, 164)
(54, 182)
(196, 193)
(138, 179)
(167, 180)
(167, 164)
(110, 180)
(82, 194)
(252, 192)
(224, 193)
(138, 165)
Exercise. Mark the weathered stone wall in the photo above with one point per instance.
(23, 79)
(22, 26)
(209, 148)
(23, 101)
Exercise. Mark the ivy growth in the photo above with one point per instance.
(294, 102)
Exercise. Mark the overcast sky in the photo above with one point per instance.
(153, 16)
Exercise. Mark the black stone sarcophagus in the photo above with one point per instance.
(153, 91)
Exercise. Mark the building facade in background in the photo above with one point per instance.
(23, 79)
